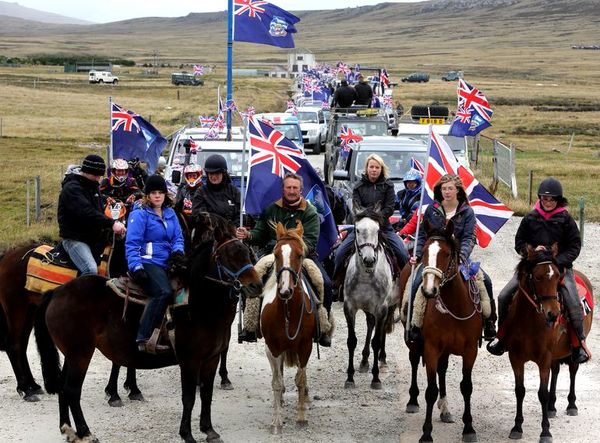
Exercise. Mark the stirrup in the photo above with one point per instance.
(496, 347)
(578, 355)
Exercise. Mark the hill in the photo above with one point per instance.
(15, 10)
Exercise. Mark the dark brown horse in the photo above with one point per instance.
(534, 334)
(288, 322)
(220, 270)
(451, 326)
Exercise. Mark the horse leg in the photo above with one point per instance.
(302, 387)
(19, 328)
(366, 352)
(431, 394)
(466, 389)
(225, 382)
(188, 398)
(572, 407)
(131, 385)
(111, 388)
(64, 420)
(377, 339)
(351, 343)
(383, 366)
(277, 386)
(518, 369)
(552, 393)
(413, 402)
(445, 414)
(74, 377)
(207, 383)
(544, 368)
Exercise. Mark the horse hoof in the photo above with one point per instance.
(213, 437)
(376, 385)
(349, 385)
(31, 398)
(68, 432)
(136, 397)
(515, 435)
(446, 417)
(37, 390)
(189, 439)
(546, 439)
(425, 439)
(226, 386)
(383, 367)
(573, 412)
(551, 414)
(469, 438)
(412, 409)
(363, 368)
(115, 403)
(276, 429)
(301, 424)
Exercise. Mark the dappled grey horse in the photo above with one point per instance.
(368, 286)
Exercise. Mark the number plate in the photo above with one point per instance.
(433, 121)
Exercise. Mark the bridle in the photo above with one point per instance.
(226, 276)
(436, 272)
(359, 248)
(533, 298)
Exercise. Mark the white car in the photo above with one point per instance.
(102, 77)
(313, 126)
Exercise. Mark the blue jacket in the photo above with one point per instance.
(151, 239)
(464, 227)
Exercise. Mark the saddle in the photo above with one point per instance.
(49, 267)
(586, 300)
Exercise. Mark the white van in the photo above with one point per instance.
(103, 77)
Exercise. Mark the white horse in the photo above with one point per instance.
(368, 286)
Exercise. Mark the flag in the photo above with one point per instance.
(473, 113)
(291, 105)
(257, 21)
(416, 164)
(206, 121)
(384, 77)
(348, 139)
(198, 70)
(490, 213)
(271, 157)
(133, 136)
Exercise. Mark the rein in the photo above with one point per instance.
(442, 275)
(365, 245)
(536, 300)
(232, 277)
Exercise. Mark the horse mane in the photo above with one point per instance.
(369, 213)
(450, 239)
(290, 234)
(525, 265)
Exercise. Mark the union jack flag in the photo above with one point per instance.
(416, 164)
(388, 102)
(474, 113)
(121, 117)
(249, 112)
(206, 121)
(252, 7)
(230, 105)
(291, 105)
(198, 70)
(384, 77)
(325, 105)
(349, 137)
(220, 122)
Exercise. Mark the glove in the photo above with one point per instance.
(140, 277)
(177, 261)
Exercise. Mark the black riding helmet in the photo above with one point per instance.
(551, 187)
(215, 163)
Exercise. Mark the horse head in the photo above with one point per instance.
(538, 280)
(440, 258)
(366, 227)
(289, 254)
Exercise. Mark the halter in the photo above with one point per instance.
(436, 272)
(536, 300)
(364, 245)
(295, 278)
(232, 277)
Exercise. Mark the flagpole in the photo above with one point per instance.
(109, 150)
(229, 62)
(242, 187)
(419, 212)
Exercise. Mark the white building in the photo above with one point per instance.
(300, 60)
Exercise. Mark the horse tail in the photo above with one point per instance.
(48, 353)
(389, 320)
(3, 331)
(290, 358)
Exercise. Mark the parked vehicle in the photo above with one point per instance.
(313, 126)
(452, 76)
(102, 77)
(416, 77)
(185, 78)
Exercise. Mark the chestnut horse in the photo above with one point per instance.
(220, 268)
(288, 322)
(534, 334)
(451, 325)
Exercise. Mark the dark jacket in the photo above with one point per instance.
(222, 199)
(408, 201)
(80, 215)
(364, 94)
(464, 227)
(560, 228)
(264, 235)
(122, 191)
(184, 198)
(366, 194)
(343, 97)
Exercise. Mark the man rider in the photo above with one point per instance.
(344, 95)
(120, 185)
(80, 216)
(192, 178)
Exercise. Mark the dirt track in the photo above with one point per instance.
(337, 415)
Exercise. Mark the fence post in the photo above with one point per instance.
(38, 198)
(0, 127)
(494, 186)
(530, 187)
(27, 220)
(178, 94)
(581, 217)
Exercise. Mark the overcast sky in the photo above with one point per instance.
(113, 10)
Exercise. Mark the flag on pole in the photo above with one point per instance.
(133, 136)
(198, 70)
(490, 213)
(473, 114)
(271, 157)
(257, 21)
(416, 164)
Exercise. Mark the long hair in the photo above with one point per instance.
(384, 168)
(456, 180)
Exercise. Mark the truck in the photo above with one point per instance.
(185, 78)
(103, 77)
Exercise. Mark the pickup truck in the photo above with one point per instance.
(103, 77)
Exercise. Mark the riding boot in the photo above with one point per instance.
(337, 284)
(578, 353)
(247, 336)
(415, 335)
(489, 326)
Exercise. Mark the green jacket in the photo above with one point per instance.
(263, 235)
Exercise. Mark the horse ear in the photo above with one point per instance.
(554, 249)
(530, 252)
(450, 228)
(427, 227)
(299, 228)
(357, 208)
(377, 207)
(280, 230)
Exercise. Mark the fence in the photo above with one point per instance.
(503, 160)
(36, 185)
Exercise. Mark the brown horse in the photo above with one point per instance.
(220, 268)
(288, 321)
(534, 334)
(451, 325)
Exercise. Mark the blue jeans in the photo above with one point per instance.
(158, 289)
(81, 256)
(342, 250)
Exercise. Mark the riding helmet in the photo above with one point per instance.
(215, 163)
(551, 187)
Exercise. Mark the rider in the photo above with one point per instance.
(137, 172)
(549, 222)
(80, 216)
(373, 188)
(292, 207)
(192, 175)
(219, 195)
(120, 185)
(451, 204)
(154, 242)
(408, 198)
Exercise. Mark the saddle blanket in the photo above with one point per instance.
(124, 287)
(586, 297)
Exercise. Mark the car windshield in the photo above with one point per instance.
(398, 162)
(308, 117)
(457, 144)
(234, 160)
(366, 127)
(289, 131)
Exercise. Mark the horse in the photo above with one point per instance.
(84, 315)
(451, 325)
(288, 322)
(534, 333)
(368, 286)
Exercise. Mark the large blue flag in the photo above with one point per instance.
(257, 21)
(133, 136)
(271, 157)
(474, 112)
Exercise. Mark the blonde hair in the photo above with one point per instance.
(384, 168)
